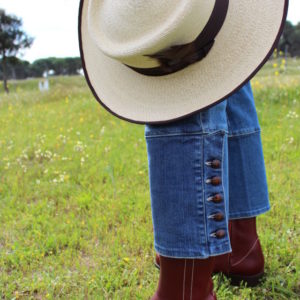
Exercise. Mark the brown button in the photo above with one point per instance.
(220, 233)
(216, 164)
(217, 198)
(216, 180)
(218, 216)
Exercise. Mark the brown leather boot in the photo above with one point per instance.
(182, 279)
(246, 261)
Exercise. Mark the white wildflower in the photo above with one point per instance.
(292, 115)
(79, 147)
(48, 154)
(63, 138)
(61, 178)
(38, 153)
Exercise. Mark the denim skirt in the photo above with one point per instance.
(204, 170)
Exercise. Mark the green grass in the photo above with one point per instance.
(75, 213)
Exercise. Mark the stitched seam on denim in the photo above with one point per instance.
(198, 183)
(186, 133)
(203, 194)
(252, 212)
(222, 244)
(194, 254)
(226, 213)
(244, 133)
(216, 131)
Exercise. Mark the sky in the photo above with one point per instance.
(53, 24)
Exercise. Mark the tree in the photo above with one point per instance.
(12, 40)
(60, 66)
(290, 39)
(296, 41)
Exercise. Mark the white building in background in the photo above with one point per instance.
(80, 72)
(44, 85)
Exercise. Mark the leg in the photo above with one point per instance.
(248, 190)
(188, 172)
(182, 194)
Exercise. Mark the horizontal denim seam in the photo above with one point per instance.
(195, 256)
(186, 133)
(243, 133)
(220, 249)
(251, 213)
(225, 243)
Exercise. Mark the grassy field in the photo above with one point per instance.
(75, 215)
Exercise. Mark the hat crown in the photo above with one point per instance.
(126, 21)
(127, 29)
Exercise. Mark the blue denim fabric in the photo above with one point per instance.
(181, 192)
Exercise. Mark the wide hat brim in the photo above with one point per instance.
(248, 37)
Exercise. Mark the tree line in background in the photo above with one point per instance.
(290, 40)
(21, 69)
(13, 39)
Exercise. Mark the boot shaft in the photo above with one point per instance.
(247, 256)
(185, 279)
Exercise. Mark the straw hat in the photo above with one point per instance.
(153, 61)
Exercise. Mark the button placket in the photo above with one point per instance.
(215, 159)
(215, 164)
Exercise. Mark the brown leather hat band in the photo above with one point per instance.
(180, 56)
